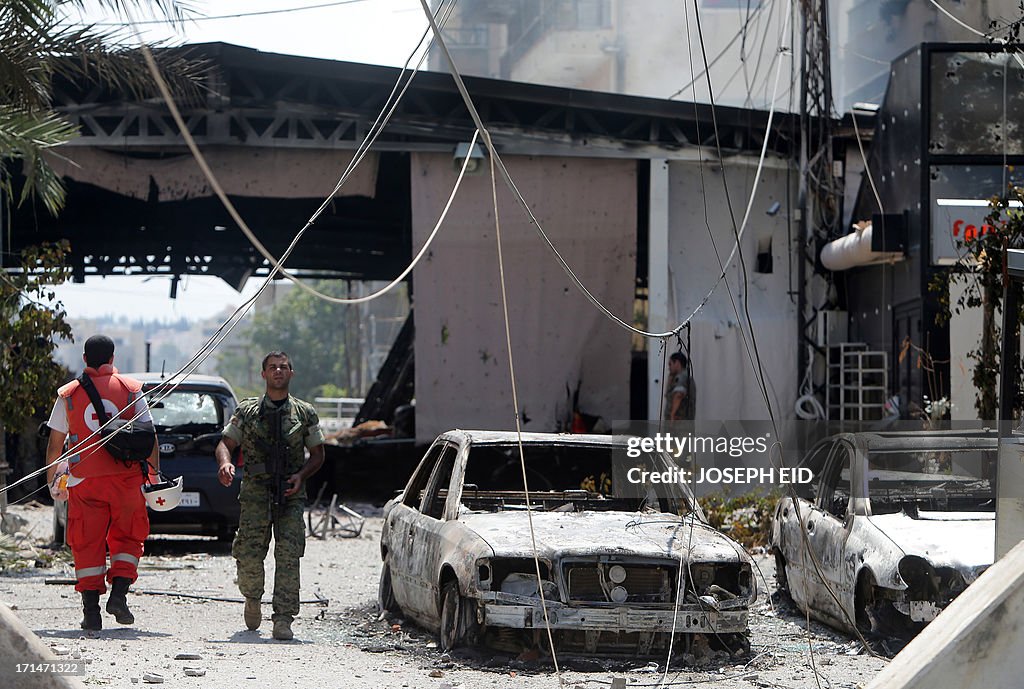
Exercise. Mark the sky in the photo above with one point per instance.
(199, 297)
(371, 31)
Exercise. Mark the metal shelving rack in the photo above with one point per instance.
(858, 381)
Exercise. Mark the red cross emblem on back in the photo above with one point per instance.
(95, 414)
(160, 501)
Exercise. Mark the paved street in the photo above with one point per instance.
(345, 644)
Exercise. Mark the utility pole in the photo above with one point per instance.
(819, 192)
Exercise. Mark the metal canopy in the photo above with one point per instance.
(266, 99)
(255, 100)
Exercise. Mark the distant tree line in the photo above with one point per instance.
(321, 338)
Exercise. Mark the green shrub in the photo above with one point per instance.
(747, 519)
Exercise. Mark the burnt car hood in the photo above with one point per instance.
(964, 540)
(629, 534)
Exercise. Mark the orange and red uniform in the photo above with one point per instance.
(106, 508)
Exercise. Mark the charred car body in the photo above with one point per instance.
(900, 525)
(459, 558)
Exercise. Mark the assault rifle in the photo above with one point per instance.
(277, 459)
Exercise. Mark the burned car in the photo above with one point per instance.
(901, 523)
(617, 575)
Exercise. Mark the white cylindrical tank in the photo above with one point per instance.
(854, 250)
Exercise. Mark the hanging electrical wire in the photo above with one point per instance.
(724, 50)
(496, 160)
(518, 419)
(759, 371)
(732, 300)
(474, 114)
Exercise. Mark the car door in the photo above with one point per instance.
(396, 535)
(423, 537)
(792, 516)
(827, 524)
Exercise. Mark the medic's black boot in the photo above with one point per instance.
(117, 603)
(91, 607)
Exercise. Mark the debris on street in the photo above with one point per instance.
(376, 649)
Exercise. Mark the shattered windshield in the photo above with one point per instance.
(933, 480)
(186, 409)
(560, 477)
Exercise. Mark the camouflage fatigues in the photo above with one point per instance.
(251, 427)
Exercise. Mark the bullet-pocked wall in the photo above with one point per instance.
(889, 302)
(559, 340)
(727, 387)
(945, 142)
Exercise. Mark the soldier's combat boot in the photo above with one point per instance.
(91, 607)
(117, 603)
(252, 614)
(282, 629)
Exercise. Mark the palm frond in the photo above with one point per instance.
(24, 136)
(30, 13)
(174, 11)
(36, 48)
(33, 52)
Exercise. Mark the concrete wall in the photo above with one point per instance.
(643, 48)
(19, 644)
(656, 63)
(580, 60)
(724, 376)
(1010, 495)
(588, 208)
(640, 50)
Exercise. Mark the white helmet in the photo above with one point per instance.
(163, 496)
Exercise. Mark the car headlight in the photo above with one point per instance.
(483, 574)
(919, 576)
(734, 578)
(515, 575)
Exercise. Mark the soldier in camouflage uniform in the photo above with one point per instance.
(258, 425)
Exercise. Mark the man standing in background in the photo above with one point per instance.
(680, 395)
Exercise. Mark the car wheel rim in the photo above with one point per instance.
(386, 595)
(449, 620)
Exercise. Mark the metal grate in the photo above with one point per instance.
(585, 584)
(642, 584)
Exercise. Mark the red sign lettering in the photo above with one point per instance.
(971, 232)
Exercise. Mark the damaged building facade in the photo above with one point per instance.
(583, 160)
(946, 141)
(600, 45)
(631, 190)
